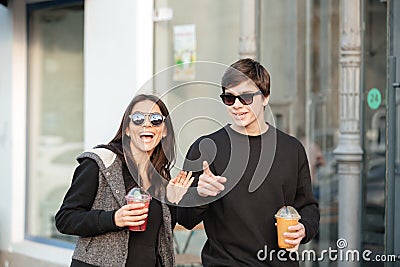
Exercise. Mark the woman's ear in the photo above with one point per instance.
(165, 132)
(127, 132)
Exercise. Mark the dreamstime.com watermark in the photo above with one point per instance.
(331, 254)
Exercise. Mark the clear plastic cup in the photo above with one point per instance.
(285, 217)
(138, 195)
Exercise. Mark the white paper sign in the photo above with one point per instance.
(184, 52)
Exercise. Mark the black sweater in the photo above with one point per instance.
(240, 223)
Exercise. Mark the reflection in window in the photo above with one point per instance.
(55, 111)
(296, 41)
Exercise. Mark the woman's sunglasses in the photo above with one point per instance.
(245, 99)
(138, 118)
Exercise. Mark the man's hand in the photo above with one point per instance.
(298, 232)
(209, 184)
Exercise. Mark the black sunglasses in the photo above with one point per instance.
(138, 118)
(245, 99)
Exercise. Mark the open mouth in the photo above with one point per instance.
(146, 136)
(240, 115)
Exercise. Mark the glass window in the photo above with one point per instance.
(299, 45)
(374, 124)
(55, 110)
(214, 26)
(217, 29)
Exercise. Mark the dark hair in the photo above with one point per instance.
(243, 70)
(163, 156)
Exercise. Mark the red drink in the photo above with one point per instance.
(141, 227)
(137, 195)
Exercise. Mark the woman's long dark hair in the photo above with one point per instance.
(163, 157)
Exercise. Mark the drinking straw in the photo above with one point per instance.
(284, 199)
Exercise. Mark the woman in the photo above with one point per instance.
(95, 208)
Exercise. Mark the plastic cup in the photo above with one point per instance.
(138, 195)
(285, 217)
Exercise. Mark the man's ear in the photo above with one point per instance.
(266, 100)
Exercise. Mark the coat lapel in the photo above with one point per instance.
(116, 182)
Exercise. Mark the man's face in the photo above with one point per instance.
(248, 116)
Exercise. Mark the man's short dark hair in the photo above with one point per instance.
(243, 70)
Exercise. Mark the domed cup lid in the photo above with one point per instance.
(287, 212)
(138, 194)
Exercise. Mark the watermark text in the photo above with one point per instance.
(340, 253)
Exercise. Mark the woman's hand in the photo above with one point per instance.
(130, 215)
(178, 186)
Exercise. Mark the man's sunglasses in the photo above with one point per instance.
(138, 118)
(245, 99)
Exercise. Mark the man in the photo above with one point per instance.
(245, 172)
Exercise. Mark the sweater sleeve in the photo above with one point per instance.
(189, 217)
(75, 216)
(305, 201)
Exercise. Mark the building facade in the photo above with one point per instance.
(68, 68)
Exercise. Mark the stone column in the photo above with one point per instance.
(247, 41)
(349, 152)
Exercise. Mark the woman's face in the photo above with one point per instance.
(145, 137)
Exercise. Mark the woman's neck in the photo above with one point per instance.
(142, 159)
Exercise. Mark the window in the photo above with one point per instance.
(215, 27)
(299, 41)
(55, 109)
